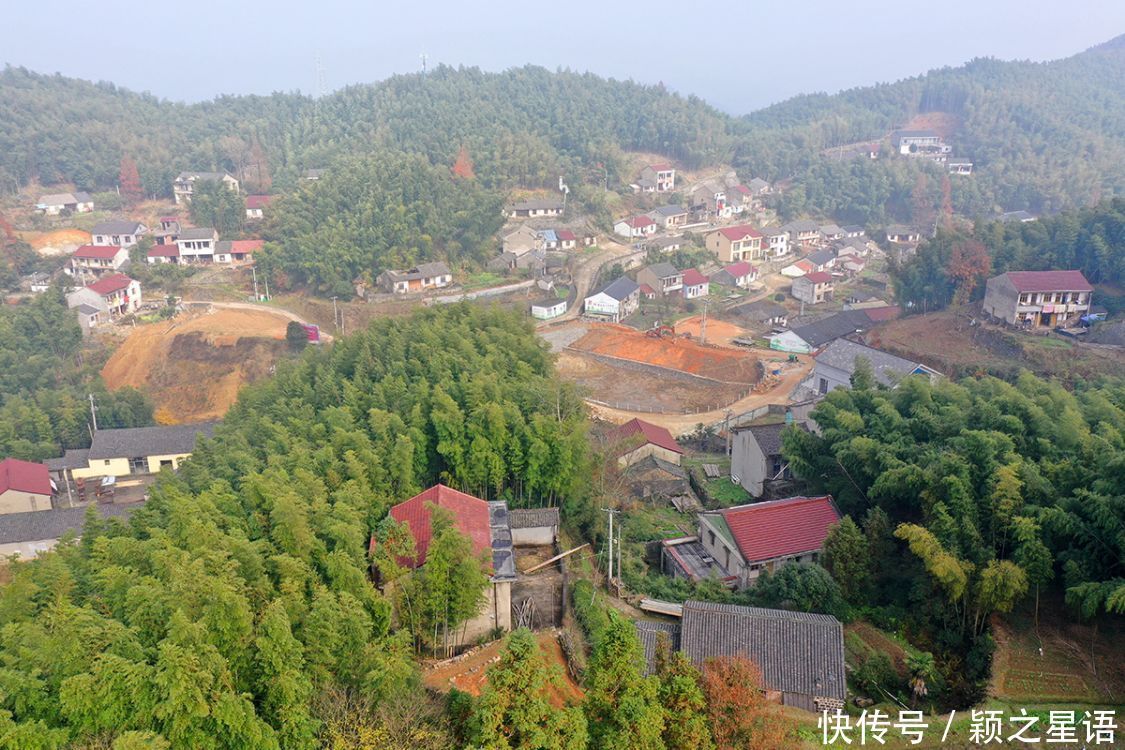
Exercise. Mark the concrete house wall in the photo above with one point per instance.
(747, 462)
(20, 501)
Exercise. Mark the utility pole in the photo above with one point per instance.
(619, 578)
(610, 553)
(267, 287)
(335, 315)
(93, 411)
(726, 428)
(254, 271)
(703, 325)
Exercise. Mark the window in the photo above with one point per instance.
(822, 387)
(710, 534)
(727, 564)
(107, 462)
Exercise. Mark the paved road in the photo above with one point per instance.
(609, 251)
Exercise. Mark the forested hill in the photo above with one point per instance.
(1043, 136)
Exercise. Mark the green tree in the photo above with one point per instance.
(285, 687)
(680, 694)
(847, 557)
(215, 205)
(296, 336)
(622, 706)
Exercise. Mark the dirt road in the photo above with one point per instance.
(324, 337)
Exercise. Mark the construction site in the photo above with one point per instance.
(663, 370)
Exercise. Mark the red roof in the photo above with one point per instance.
(258, 201)
(647, 290)
(740, 269)
(880, 314)
(99, 252)
(806, 266)
(1049, 281)
(742, 189)
(24, 476)
(110, 284)
(565, 235)
(164, 251)
(693, 277)
(640, 221)
(168, 219)
(246, 246)
(734, 234)
(652, 434)
(470, 515)
(661, 167)
(819, 277)
(777, 528)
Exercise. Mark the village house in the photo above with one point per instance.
(655, 480)
(616, 300)
(798, 268)
(183, 187)
(834, 366)
(636, 226)
(852, 231)
(657, 178)
(696, 284)
(959, 165)
(534, 527)
(550, 239)
(56, 203)
(821, 260)
(24, 486)
(740, 275)
(813, 288)
(763, 312)
(421, 278)
(1038, 298)
(638, 439)
(669, 217)
(487, 526)
(312, 175)
(818, 333)
(851, 264)
(756, 462)
(900, 234)
(256, 206)
(140, 450)
(803, 232)
(548, 309)
(776, 240)
(664, 244)
(197, 245)
(1017, 217)
(30, 534)
(169, 253)
(535, 209)
(522, 240)
(800, 654)
(747, 539)
(663, 278)
(830, 232)
(758, 186)
(237, 251)
(857, 247)
(168, 232)
(742, 199)
(97, 260)
(120, 232)
(89, 316)
(921, 143)
(735, 244)
(567, 239)
(709, 200)
(114, 295)
(36, 282)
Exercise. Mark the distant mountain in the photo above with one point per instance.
(1042, 136)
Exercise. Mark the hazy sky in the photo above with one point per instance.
(736, 54)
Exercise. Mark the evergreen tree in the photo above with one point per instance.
(685, 708)
(847, 557)
(622, 706)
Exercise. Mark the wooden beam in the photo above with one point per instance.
(545, 563)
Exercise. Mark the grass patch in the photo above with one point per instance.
(727, 493)
(482, 280)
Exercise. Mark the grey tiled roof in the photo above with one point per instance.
(798, 652)
(529, 518)
(136, 442)
(760, 310)
(500, 532)
(116, 226)
(664, 270)
(888, 368)
(619, 288)
(197, 233)
(820, 257)
(649, 632)
(75, 458)
(669, 211)
(833, 327)
(537, 205)
(768, 437)
(39, 525)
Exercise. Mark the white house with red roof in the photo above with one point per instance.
(116, 295)
(488, 528)
(747, 539)
(657, 178)
(97, 260)
(636, 226)
(740, 275)
(24, 486)
(637, 439)
(737, 243)
(696, 285)
(256, 205)
(169, 253)
(1038, 298)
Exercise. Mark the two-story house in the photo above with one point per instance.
(776, 240)
(1038, 298)
(735, 244)
(756, 461)
(803, 232)
(120, 232)
(657, 178)
(696, 284)
(116, 294)
(813, 288)
(97, 260)
(615, 301)
(197, 245)
(747, 539)
(663, 278)
(183, 187)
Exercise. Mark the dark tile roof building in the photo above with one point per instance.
(137, 442)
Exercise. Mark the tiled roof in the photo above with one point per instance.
(24, 476)
(692, 277)
(820, 257)
(258, 201)
(649, 633)
(117, 226)
(833, 327)
(1049, 281)
(667, 211)
(110, 284)
(740, 269)
(470, 515)
(881, 314)
(760, 310)
(97, 252)
(74, 458)
(798, 652)
(171, 250)
(530, 518)
(888, 369)
(819, 277)
(734, 234)
(565, 235)
(136, 442)
(619, 289)
(663, 270)
(41, 525)
(654, 434)
(198, 233)
(778, 528)
(537, 205)
(767, 436)
(240, 246)
(638, 222)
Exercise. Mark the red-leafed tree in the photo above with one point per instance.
(946, 202)
(969, 262)
(463, 167)
(129, 181)
(741, 716)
